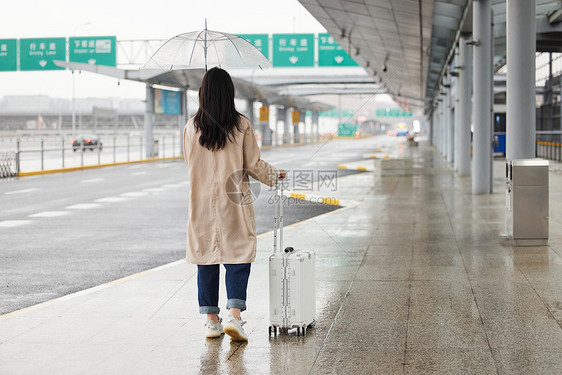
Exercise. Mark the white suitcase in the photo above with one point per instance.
(292, 295)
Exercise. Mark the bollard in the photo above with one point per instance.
(140, 147)
(62, 148)
(99, 151)
(42, 153)
(18, 155)
(82, 154)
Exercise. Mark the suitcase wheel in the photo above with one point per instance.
(272, 330)
(301, 331)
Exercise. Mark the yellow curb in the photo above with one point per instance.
(361, 168)
(341, 166)
(323, 200)
(386, 156)
(72, 169)
(331, 201)
(379, 150)
(298, 196)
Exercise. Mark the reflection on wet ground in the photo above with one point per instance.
(415, 278)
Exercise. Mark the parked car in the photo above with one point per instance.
(86, 143)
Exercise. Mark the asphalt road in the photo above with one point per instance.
(65, 232)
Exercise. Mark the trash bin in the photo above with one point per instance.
(526, 213)
(155, 148)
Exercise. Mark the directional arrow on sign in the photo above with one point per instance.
(338, 59)
(293, 59)
(92, 61)
(42, 63)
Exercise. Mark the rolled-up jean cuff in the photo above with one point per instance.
(209, 310)
(236, 303)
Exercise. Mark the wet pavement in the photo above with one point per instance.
(414, 277)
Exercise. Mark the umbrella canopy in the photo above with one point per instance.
(206, 48)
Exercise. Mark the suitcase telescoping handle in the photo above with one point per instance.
(278, 219)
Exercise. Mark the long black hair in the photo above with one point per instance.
(217, 118)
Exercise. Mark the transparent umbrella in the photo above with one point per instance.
(205, 48)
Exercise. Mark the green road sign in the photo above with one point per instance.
(293, 50)
(394, 112)
(260, 41)
(347, 130)
(93, 50)
(8, 55)
(331, 54)
(39, 53)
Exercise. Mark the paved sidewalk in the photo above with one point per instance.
(413, 279)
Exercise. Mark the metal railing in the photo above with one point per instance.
(8, 165)
(549, 150)
(59, 153)
(549, 144)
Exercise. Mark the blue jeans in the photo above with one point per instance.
(236, 279)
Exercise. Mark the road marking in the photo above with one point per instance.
(13, 223)
(111, 199)
(83, 206)
(91, 180)
(134, 194)
(50, 214)
(21, 191)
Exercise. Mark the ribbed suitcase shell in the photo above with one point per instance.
(292, 292)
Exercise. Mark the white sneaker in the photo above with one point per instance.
(214, 329)
(234, 329)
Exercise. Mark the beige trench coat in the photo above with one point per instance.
(221, 226)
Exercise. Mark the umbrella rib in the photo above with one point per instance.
(194, 44)
(218, 56)
(236, 48)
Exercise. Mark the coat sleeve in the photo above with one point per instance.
(257, 168)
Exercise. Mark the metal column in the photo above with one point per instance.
(315, 128)
(287, 127)
(431, 128)
(465, 103)
(483, 101)
(280, 116)
(445, 120)
(449, 107)
(250, 110)
(302, 118)
(521, 112)
(148, 117)
(442, 127)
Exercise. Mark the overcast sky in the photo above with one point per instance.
(129, 19)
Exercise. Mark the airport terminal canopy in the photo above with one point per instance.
(191, 79)
(406, 45)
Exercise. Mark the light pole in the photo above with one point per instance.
(74, 85)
